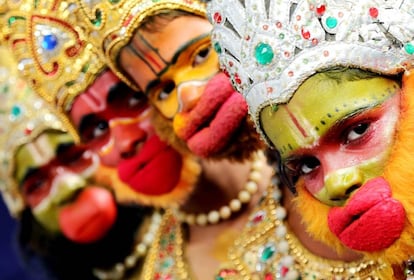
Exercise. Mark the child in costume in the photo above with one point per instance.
(329, 86)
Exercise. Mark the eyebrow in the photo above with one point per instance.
(178, 53)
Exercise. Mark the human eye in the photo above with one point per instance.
(201, 55)
(93, 128)
(356, 132)
(166, 90)
(308, 165)
(34, 183)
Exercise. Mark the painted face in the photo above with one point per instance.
(115, 122)
(335, 136)
(178, 71)
(111, 119)
(53, 176)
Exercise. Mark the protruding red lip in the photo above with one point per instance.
(155, 170)
(371, 221)
(210, 125)
(90, 216)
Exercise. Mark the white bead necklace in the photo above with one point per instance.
(140, 250)
(235, 205)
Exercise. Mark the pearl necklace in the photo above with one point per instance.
(140, 250)
(235, 205)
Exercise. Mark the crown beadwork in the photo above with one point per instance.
(270, 49)
(23, 116)
(51, 48)
(114, 22)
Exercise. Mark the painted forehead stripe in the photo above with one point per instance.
(148, 54)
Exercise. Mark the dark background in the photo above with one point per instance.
(11, 267)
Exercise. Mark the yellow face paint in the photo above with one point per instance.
(317, 105)
(336, 135)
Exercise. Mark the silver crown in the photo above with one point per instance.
(270, 47)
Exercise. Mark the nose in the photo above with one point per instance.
(339, 185)
(189, 94)
(127, 135)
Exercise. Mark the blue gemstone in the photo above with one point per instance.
(49, 42)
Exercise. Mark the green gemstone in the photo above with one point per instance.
(331, 22)
(219, 278)
(167, 263)
(98, 20)
(274, 108)
(281, 36)
(409, 48)
(217, 47)
(11, 20)
(16, 111)
(264, 53)
(267, 253)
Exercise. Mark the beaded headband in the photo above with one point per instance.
(52, 49)
(23, 116)
(114, 23)
(269, 49)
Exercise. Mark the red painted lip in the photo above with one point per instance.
(212, 122)
(90, 216)
(371, 221)
(155, 170)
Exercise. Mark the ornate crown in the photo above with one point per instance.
(270, 49)
(114, 23)
(23, 116)
(51, 48)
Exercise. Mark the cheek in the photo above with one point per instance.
(314, 182)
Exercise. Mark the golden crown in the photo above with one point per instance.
(269, 49)
(23, 116)
(51, 47)
(113, 23)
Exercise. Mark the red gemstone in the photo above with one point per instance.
(284, 270)
(128, 20)
(320, 10)
(278, 24)
(28, 130)
(258, 217)
(237, 79)
(305, 34)
(217, 17)
(269, 276)
(373, 12)
(227, 272)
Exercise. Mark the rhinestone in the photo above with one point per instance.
(373, 12)
(264, 53)
(16, 111)
(267, 253)
(217, 17)
(331, 22)
(49, 42)
(320, 10)
(217, 47)
(409, 48)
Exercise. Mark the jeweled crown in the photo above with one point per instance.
(51, 47)
(270, 47)
(23, 116)
(114, 22)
